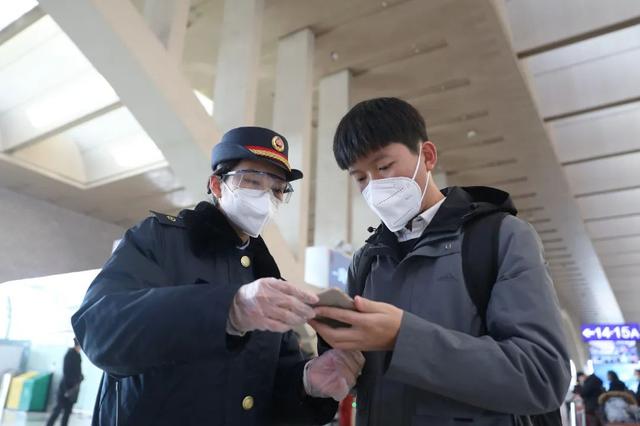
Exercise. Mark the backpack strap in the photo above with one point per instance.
(362, 272)
(480, 245)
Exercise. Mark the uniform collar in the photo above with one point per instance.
(206, 224)
(211, 234)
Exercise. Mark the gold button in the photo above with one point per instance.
(245, 261)
(247, 403)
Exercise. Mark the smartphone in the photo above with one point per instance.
(335, 298)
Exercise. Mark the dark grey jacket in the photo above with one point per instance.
(442, 370)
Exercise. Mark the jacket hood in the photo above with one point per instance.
(462, 204)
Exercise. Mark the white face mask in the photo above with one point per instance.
(248, 209)
(396, 200)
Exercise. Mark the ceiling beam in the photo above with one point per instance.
(21, 24)
(63, 128)
(117, 41)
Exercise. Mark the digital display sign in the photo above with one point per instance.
(611, 332)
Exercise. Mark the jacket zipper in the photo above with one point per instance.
(117, 402)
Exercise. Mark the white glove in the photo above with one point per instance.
(270, 304)
(333, 374)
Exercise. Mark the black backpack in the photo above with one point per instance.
(482, 237)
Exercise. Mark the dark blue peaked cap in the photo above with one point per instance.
(254, 143)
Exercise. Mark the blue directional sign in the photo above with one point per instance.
(610, 332)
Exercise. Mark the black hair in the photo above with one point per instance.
(613, 375)
(222, 168)
(580, 373)
(374, 124)
(75, 343)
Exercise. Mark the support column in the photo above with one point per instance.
(292, 118)
(332, 185)
(168, 21)
(237, 66)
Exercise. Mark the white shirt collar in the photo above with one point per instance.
(419, 223)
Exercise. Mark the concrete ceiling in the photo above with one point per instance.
(529, 125)
(581, 59)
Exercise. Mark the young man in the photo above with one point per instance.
(190, 319)
(69, 385)
(430, 360)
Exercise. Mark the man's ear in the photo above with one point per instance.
(429, 154)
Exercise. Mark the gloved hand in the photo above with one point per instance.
(333, 374)
(270, 304)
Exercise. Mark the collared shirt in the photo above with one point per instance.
(419, 223)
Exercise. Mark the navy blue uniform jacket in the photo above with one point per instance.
(155, 318)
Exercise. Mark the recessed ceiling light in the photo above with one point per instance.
(471, 134)
(335, 56)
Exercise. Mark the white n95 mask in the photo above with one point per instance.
(248, 209)
(396, 200)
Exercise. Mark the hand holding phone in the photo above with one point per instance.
(334, 298)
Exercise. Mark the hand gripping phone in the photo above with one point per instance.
(335, 298)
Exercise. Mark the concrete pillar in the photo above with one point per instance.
(168, 21)
(332, 185)
(292, 118)
(237, 66)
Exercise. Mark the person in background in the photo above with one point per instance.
(591, 391)
(69, 386)
(615, 384)
(580, 377)
(636, 373)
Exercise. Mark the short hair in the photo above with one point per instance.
(225, 167)
(374, 124)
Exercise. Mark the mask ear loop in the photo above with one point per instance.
(212, 197)
(415, 172)
(426, 186)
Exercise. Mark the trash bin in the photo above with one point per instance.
(15, 390)
(35, 393)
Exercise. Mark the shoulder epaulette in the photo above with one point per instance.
(169, 220)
